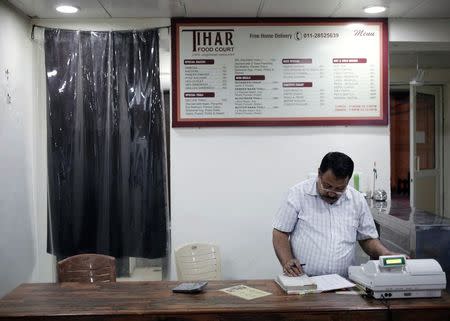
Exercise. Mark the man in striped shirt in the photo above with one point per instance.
(316, 228)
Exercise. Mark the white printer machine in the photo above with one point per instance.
(394, 276)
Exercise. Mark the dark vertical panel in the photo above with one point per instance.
(106, 154)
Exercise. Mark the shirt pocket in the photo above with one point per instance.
(348, 229)
(315, 221)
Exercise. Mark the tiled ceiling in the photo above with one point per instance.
(234, 8)
(401, 54)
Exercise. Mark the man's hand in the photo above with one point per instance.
(292, 268)
(282, 246)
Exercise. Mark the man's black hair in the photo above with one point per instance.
(340, 164)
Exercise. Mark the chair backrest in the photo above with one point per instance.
(197, 261)
(87, 268)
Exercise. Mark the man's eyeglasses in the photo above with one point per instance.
(337, 192)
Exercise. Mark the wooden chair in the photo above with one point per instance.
(87, 268)
(197, 261)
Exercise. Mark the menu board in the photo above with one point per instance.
(266, 72)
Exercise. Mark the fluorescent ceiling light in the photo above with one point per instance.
(375, 9)
(67, 9)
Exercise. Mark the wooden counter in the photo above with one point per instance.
(155, 301)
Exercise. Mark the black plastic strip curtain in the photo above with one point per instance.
(106, 152)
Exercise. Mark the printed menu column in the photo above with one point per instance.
(204, 80)
(255, 92)
(354, 85)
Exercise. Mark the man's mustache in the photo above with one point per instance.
(328, 198)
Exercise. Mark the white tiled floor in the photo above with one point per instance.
(144, 274)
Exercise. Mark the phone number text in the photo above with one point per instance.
(307, 35)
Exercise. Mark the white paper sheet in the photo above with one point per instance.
(331, 282)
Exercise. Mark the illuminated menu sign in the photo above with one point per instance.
(279, 72)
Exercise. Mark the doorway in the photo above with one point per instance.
(399, 144)
(416, 160)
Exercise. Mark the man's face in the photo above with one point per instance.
(330, 187)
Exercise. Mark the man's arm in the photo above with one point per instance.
(374, 248)
(291, 266)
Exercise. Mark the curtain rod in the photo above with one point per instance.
(34, 26)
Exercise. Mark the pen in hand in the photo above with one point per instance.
(302, 265)
(293, 268)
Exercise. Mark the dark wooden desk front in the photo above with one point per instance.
(132, 301)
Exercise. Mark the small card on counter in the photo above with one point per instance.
(245, 292)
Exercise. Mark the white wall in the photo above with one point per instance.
(419, 30)
(17, 235)
(227, 183)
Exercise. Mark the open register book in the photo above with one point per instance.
(312, 284)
